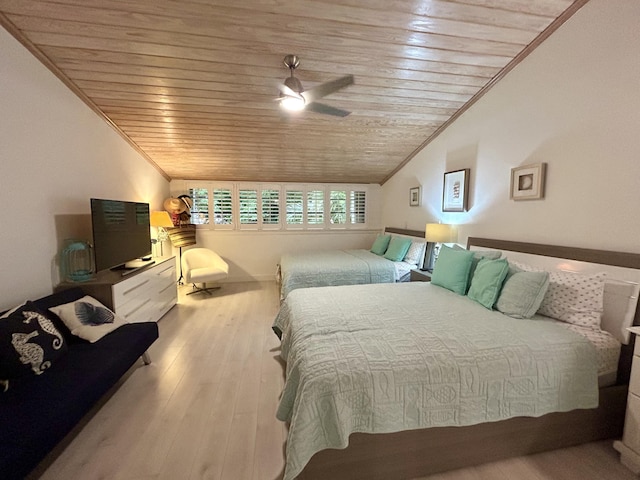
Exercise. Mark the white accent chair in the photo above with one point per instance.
(201, 265)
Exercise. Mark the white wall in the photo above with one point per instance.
(254, 255)
(573, 103)
(55, 154)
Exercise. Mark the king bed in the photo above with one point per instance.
(351, 267)
(395, 381)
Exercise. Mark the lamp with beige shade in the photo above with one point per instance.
(436, 234)
(161, 220)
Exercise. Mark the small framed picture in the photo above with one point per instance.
(527, 182)
(455, 194)
(414, 197)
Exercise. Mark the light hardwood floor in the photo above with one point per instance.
(205, 408)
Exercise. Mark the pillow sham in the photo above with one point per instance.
(415, 253)
(487, 281)
(380, 244)
(479, 255)
(397, 249)
(573, 297)
(522, 293)
(87, 318)
(452, 268)
(29, 343)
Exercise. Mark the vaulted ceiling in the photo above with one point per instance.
(192, 84)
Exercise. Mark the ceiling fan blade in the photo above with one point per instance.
(326, 109)
(324, 89)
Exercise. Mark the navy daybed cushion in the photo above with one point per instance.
(38, 411)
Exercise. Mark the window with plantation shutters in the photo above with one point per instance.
(270, 207)
(274, 206)
(315, 207)
(338, 207)
(248, 206)
(200, 206)
(223, 207)
(295, 207)
(357, 207)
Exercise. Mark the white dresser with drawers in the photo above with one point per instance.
(142, 296)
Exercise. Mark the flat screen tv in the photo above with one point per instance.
(121, 234)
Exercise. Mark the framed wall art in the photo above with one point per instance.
(527, 182)
(455, 194)
(414, 197)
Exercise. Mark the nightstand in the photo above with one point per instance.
(420, 276)
(629, 447)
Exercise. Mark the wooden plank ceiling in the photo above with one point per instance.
(191, 84)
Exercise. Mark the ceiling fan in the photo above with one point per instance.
(295, 98)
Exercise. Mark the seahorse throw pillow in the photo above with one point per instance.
(29, 343)
(87, 318)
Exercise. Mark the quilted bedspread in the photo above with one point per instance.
(390, 357)
(334, 267)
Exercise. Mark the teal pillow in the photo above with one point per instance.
(522, 293)
(397, 249)
(487, 281)
(380, 244)
(479, 255)
(452, 269)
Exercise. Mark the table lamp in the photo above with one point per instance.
(161, 220)
(437, 233)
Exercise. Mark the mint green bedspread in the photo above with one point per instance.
(388, 357)
(334, 267)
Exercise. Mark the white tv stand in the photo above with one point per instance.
(143, 295)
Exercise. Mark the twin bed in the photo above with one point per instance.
(401, 380)
(349, 267)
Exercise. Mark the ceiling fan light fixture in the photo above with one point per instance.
(292, 104)
(294, 98)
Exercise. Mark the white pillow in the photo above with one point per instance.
(87, 318)
(415, 253)
(573, 297)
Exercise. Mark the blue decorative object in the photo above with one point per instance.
(76, 261)
(93, 315)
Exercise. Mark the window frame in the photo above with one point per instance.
(283, 188)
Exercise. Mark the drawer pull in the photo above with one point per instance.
(167, 287)
(127, 292)
(162, 271)
(137, 308)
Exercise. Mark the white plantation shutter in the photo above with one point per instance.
(357, 207)
(294, 207)
(338, 205)
(315, 208)
(248, 206)
(223, 207)
(200, 207)
(270, 207)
